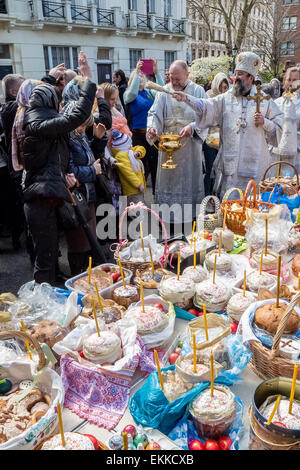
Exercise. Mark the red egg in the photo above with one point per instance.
(196, 445)
(115, 277)
(106, 269)
(173, 358)
(81, 354)
(153, 446)
(278, 423)
(130, 429)
(160, 306)
(210, 444)
(233, 327)
(94, 440)
(225, 443)
(199, 314)
(178, 351)
(193, 311)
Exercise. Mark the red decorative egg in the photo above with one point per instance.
(80, 352)
(233, 327)
(210, 444)
(115, 277)
(130, 429)
(160, 306)
(153, 446)
(196, 445)
(173, 358)
(225, 443)
(193, 311)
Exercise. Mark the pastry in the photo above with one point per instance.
(224, 261)
(296, 265)
(269, 316)
(105, 348)
(227, 238)
(74, 441)
(290, 421)
(178, 291)
(197, 274)
(6, 322)
(102, 280)
(270, 260)
(238, 304)
(126, 295)
(150, 281)
(214, 296)
(185, 368)
(213, 415)
(153, 320)
(255, 281)
(174, 386)
(46, 331)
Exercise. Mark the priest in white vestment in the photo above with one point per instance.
(185, 184)
(244, 133)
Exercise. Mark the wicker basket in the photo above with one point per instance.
(26, 337)
(209, 222)
(134, 266)
(290, 186)
(265, 362)
(235, 219)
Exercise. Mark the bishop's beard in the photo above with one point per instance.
(239, 88)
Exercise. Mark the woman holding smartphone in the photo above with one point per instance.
(140, 101)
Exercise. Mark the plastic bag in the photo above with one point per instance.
(184, 432)
(10, 350)
(292, 202)
(150, 407)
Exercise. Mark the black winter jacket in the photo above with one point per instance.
(46, 150)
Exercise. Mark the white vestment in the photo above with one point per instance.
(243, 153)
(185, 184)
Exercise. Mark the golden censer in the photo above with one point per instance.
(169, 143)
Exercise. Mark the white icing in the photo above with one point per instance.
(216, 406)
(150, 321)
(255, 281)
(127, 291)
(103, 348)
(197, 274)
(291, 421)
(207, 291)
(73, 440)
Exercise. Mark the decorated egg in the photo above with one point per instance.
(153, 446)
(116, 442)
(141, 437)
(5, 386)
(130, 429)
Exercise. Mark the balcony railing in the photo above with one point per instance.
(161, 24)
(80, 13)
(53, 10)
(105, 17)
(178, 26)
(143, 21)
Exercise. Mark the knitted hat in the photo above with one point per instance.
(119, 140)
(141, 150)
(248, 62)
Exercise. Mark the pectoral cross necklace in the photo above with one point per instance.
(241, 122)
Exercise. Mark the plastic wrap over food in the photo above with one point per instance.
(135, 252)
(278, 235)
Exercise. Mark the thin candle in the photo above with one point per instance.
(205, 321)
(293, 388)
(278, 281)
(244, 286)
(211, 375)
(194, 354)
(26, 342)
(299, 281)
(261, 263)
(142, 236)
(125, 440)
(142, 296)
(61, 429)
(121, 271)
(266, 245)
(95, 317)
(195, 254)
(90, 268)
(151, 258)
(178, 266)
(274, 410)
(98, 297)
(214, 273)
(220, 243)
(193, 231)
(158, 369)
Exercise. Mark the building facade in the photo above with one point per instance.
(36, 35)
(290, 44)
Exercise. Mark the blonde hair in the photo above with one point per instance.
(89, 122)
(109, 90)
(288, 73)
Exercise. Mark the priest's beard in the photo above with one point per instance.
(239, 88)
(179, 87)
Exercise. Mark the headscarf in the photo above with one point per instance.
(71, 91)
(216, 83)
(279, 87)
(18, 135)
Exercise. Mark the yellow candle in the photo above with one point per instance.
(178, 266)
(61, 429)
(121, 271)
(205, 321)
(90, 268)
(211, 375)
(142, 236)
(142, 295)
(299, 281)
(95, 317)
(293, 388)
(261, 263)
(151, 258)
(244, 287)
(220, 243)
(194, 354)
(98, 297)
(158, 370)
(274, 410)
(214, 273)
(26, 342)
(193, 231)
(195, 254)
(266, 246)
(125, 440)
(278, 280)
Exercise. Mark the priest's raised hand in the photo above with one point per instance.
(259, 120)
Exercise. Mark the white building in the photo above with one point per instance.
(36, 35)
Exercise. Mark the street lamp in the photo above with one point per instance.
(234, 54)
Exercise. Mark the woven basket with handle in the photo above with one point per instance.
(267, 363)
(290, 186)
(236, 216)
(26, 337)
(132, 265)
(206, 221)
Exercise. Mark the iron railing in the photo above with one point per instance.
(80, 13)
(53, 10)
(105, 17)
(161, 24)
(143, 21)
(178, 26)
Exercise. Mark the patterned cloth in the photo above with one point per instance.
(100, 396)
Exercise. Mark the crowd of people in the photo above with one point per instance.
(66, 137)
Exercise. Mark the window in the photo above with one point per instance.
(170, 56)
(194, 32)
(200, 34)
(103, 54)
(134, 56)
(55, 55)
(151, 6)
(289, 2)
(168, 7)
(287, 48)
(289, 23)
(212, 53)
(132, 4)
(3, 6)
(4, 51)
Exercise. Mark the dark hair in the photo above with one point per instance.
(121, 74)
(268, 89)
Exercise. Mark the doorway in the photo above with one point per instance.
(104, 73)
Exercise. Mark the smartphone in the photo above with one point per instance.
(147, 67)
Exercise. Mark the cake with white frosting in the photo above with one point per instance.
(238, 304)
(105, 348)
(126, 295)
(178, 291)
(223, 261)
(290, 421)
(197, 274)
(214, 296)
(255, 281)
(152, 320)
(74, 441)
